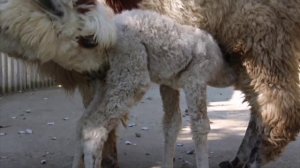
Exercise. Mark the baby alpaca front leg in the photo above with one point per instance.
(88, 131)
(125, 84)
(100, 120)
(196, 101)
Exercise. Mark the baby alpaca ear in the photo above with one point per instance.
(84, 6)
(52, 7)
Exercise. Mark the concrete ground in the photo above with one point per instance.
(40, 126)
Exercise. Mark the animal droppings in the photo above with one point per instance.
(28, 110)
(179, 145)
(145, 128)
(190, 152)
(149, 98)
(28, 131)
(138, 135)
(132, 125)
(128, 143)
(50, 123)
(21, 132)
(4, 126)
(43, 162)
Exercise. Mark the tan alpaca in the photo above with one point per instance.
(261, 41)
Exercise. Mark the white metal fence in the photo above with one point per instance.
(17, 76)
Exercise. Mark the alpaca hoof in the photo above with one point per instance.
(225, 164)
(109, 163)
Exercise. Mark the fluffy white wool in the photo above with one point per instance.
(27, 31)
(153, 48)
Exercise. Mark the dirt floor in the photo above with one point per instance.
(39, 126)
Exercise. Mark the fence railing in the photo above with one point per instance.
(15, 75)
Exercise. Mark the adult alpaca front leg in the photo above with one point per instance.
(249, 145)
(171, 122)
(273, 74)
(253, 132)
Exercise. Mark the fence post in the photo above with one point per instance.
(1, 74)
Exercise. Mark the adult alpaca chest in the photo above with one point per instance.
(261, 41)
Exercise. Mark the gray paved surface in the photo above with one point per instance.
(36, 110)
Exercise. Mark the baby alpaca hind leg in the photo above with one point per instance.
(196, 100)
(171, 122)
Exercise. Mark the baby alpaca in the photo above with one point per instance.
(152, 47)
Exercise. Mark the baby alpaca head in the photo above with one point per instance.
(72, 33)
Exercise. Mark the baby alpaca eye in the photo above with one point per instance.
(87, 41)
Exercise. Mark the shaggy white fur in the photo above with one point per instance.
(53, 30)
(152, 47)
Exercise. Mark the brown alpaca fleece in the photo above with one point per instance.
(119, 6)
(262, 42)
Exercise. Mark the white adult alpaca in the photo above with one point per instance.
(152, 47)
(67, 39)
(70, 33)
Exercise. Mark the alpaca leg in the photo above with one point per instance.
(254, 129)
(89, 145)
(78, 157)
(277, 102)
(255, 156)
(248, 146)
(111, 103)
(110, 154)
(280, 123)
(171, 122)
(196, 101)
(89, 150)
(274, 70)
(93, 139)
